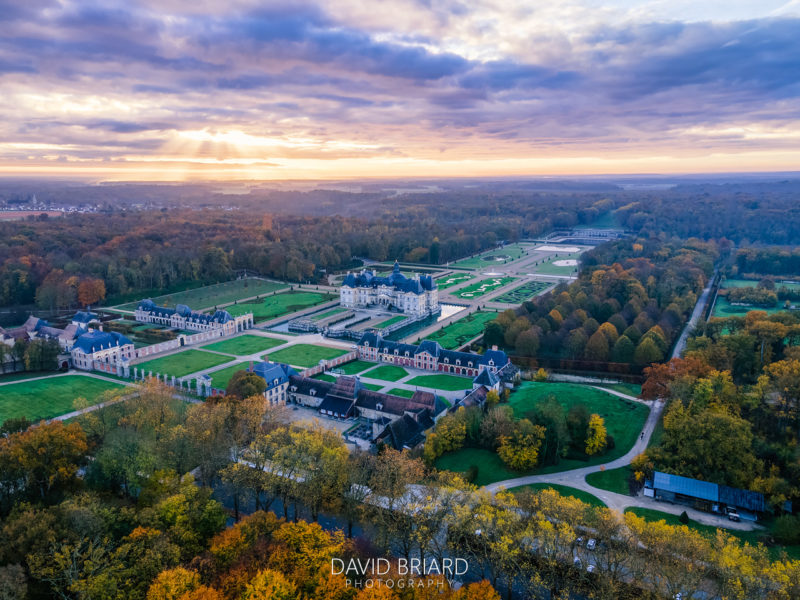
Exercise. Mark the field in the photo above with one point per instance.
(623, 418)
(454, 279)
(401, 392)
(476, 290)
(280, 304)
(183, 363)
(548, 267)
(387, 373)
(497, 256)
(245, 344)
(355, 367)
(723, 308)
(450, 383)
(563, 490)
(391, 321)
(51, 397)
(214, 295)
(220, 379)
(460, 332)
(524, 292)
(305, 355)
(613, 480)
(324, 377)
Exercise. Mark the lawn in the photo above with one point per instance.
(480, 288)
(454, 279)
(612, 480)
(387, 373)
(51, 397)
(245, 344)
(632, 389)
(450, 383)
(548, 267)
(563, 490)
(498, 256)
(401, 392)
(305, 355)
(460, 332)
(214, 295)
(355, 367)
(524, 292)
(183, 363)
(623, 418)
(324, 377)
(391, 321)
(328, 313)
(280, 304)
(220, 379)
(723, 308)
(371, 386)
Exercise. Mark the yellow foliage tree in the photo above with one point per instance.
(597, 437)
(520, 450)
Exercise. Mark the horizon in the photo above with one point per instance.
(171, 92)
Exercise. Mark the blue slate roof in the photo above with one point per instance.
(374, 340)
(686, 486)
(396, 279)
(84, 317)
(274, 374)
(498, 357)
(95, 341)
(487, 378)
(220, 316)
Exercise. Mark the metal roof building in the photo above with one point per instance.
(667, 484)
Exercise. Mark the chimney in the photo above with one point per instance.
(251, 366)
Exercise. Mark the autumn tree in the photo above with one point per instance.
(520, 449)
(91, 290)
(596, 437)
(244, 384)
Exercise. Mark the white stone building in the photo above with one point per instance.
(417, 296)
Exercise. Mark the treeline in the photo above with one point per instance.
(33, 355)
(768, 261)
(83, 258)
(734, 408)
(627, 306)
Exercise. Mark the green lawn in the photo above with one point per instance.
(524, 292)
(549, 268)
(324, 377)
(480, 288)
(454, 279)
(245, 344)
(371, 386)
(460, 332)
(391, 321)
(220, 379)
(214, 295)
(183, 363)
(450, 383)
(355, 367)
(305, 355)
(498, 256)
(401, 392)
(623, 418)
(723, 308)
(387, 373)
(280, 304)
(51, 397)
(612, 480)
(328, 313)
(632, 389)
(564, 490)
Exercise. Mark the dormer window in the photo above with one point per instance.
(379, 406)
(458, 362)
(313, 392)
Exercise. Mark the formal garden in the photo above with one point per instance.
(246, 344)
(214, 295)
(281, 304)
(458, 333)
(524, 292)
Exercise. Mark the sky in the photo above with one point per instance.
(241, 89)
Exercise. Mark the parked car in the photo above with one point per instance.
(576, 562)
(590, 568)
(579, 541)
(591, 544)
(733, 515)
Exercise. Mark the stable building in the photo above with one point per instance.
(184, 318)
(417, 296)
(704, 495)
(276, 376)
(101, 351)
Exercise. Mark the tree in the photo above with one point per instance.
(172, 584)
(597, 347)
(493, 334)
(623, 350)
(492, 398)
(270, 585)
(647, 352)
(596, 437)
(578, 425)
(13, 583)
(541, 375)
(244, 384)
(520, 450)
(42, 355)
(527, 343)
(91, 291)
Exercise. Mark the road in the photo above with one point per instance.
(680, 345)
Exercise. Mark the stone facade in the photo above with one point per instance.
(417, 296)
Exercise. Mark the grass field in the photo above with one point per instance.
(220, 379)
(51, 397)
(305, 355)
(214, 295)
(612, 480)
(355, 367)
(632, 389)
(183, 363)
(623, 418)
(401, 392)
(449, 383)
(723, 308)
(328, 313)
(391, 321)
(280, 304)
(524, 292)
(371, 386)
(325, 377)
(548, 268)
(454, 279)
(498, 256)
(563, 490)
(387, 373)
(476, 290)
(460, 332)
(245, 344)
